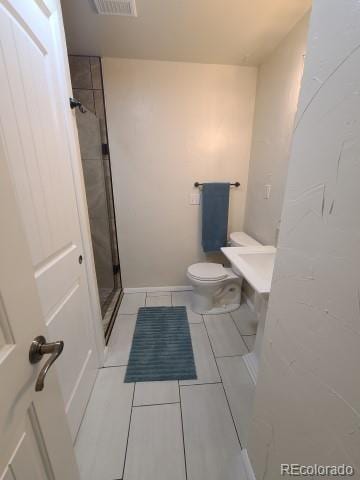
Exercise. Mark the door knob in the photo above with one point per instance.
(38, 348)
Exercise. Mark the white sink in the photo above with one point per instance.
(256, 264)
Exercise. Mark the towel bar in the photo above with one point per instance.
(236, 184)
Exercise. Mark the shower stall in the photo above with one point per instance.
(87, 86)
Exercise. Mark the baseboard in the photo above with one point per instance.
(178, 288)
(247, 464)
(251, 363)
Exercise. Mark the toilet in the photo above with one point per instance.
(241, 239)
(217, 289)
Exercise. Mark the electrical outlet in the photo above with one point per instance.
(267, 192)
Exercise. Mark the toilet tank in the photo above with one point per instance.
(242, 239)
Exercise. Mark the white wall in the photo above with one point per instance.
(307, 405)
(171, 124)
(276, 103)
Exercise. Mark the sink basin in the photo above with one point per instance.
(256, 264)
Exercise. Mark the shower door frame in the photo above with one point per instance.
(110, 326)
(117, 302)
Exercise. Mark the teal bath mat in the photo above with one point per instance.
(161, 347)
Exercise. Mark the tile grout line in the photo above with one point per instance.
(227, 400)
(212, 350)
(231, 356)
(230, 411)
(248, 348)
(199, 384)
(246, 345)
(155, 404)
(128, 435)
(85, 410)
(182, 431)
(181, 412)
(114, 366)
(238, 329)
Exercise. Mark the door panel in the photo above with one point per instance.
(29, 459)
(7, 475)
(6, 334)
(35, 139)
(35, 441)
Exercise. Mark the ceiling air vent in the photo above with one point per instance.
(116, 7)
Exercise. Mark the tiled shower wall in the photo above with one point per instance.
(87, 85)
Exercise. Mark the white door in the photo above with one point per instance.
(35, 440)
(34, 136)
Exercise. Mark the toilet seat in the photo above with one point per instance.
(207, 272)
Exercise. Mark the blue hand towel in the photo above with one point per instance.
(215, 210)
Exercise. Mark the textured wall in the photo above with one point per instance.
(277, 96)
(171, 124)
(307, 406)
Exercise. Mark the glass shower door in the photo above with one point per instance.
(102, 224)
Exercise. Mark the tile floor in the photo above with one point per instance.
(187, 430)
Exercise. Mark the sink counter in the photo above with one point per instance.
(255, 264)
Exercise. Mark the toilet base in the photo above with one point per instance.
(221, 297)
(231, 307)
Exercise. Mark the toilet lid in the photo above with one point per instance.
(207, 271)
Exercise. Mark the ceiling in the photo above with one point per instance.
(239, 32)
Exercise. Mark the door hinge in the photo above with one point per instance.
(116, 269)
